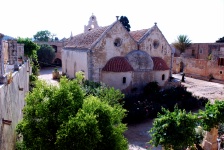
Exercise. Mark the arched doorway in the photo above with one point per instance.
(181, 66)
(57, 62)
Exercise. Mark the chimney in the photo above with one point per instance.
(117, 17)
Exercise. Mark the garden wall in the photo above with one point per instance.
(11, 104)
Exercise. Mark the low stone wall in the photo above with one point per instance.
(11, 104)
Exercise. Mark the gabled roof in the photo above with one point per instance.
(118, 64)
(137, 35)
(159, 64)
(85, 40)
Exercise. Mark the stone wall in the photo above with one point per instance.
(199, 67)
(11, 104)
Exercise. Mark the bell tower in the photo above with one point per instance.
(92, 24)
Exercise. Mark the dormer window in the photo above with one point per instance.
(117, 42)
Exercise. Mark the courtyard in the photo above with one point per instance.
(137, 134)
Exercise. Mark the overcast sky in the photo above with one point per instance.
(201, 20)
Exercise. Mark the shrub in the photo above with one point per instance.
(63, 117)
(174, 130)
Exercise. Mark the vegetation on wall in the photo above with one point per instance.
(66, 117)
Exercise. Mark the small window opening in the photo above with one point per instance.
(117, 42)
(124, 80)
(193, 53)
(221, 61)
(163, 77)
(220, 72)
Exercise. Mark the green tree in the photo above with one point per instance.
(42, 36)
(64, 117)
(182, 43)
(30, 48)
(30, 51)
(174, 130)
(124, 20)
(45, 54)
(220, 40)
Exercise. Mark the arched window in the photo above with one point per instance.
(124, 80)
(163, 77)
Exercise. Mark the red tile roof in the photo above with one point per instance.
(118, 64)
(159, 64)
(85, 40)
(137, 35)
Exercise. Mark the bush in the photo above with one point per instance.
(174, 130)
(45, 54)
(63, 117)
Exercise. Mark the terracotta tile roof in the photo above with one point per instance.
(159, 64)
(137, 35)
(117, 64)
(86, 40)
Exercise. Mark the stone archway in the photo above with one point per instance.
(181, 66)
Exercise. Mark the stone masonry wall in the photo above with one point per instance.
(11, 104)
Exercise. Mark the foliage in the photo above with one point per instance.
(46, 54)
(151, 87)
(148, 104)
(124, 20)
(30, 48)
(212, 115)
(220, 40)
(64, 117)
(42, 36)
(105, 93)
(174, 130)
(182, 43)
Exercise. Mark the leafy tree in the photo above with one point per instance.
(124, 20)
(174, 130)
(42, 36)
(30, 50)
(182, 43)
(64, 117)
(220, 40)
(45, 54)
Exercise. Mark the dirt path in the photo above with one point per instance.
(137, 134)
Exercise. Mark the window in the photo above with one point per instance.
(221, 61)
(163, 77)
(117, 42)
(220, 72)
(201, 51)
(124, 80)
(193, 53)
(55, 48)
(155, 44)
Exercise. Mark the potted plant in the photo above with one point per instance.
(55, 74)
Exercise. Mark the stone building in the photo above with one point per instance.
(122, 59)
(201, 60)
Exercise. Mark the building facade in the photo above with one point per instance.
(201, 60)
(122, 59)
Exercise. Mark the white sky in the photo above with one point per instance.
(201, 20)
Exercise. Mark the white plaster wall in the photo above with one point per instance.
(158, 77)
(11, 105)
(115, 79)
(74, 61)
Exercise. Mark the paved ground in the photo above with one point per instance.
(137, 134)
(212, 91)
